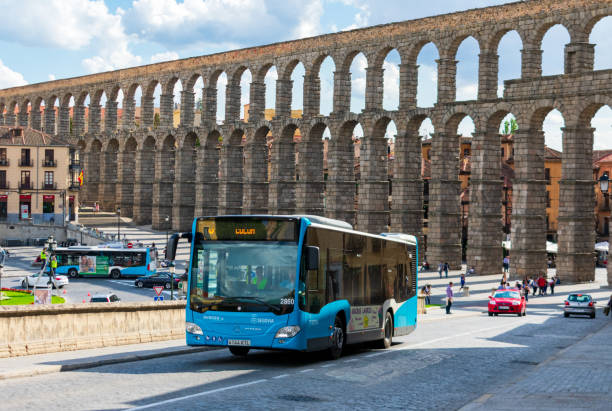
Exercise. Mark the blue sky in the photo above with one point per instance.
(45, 40)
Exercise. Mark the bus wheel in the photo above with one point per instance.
(239, 351)
(73, 273)
(388, 338)
(335, 351)
(116, 274)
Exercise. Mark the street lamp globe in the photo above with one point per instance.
(604, 182)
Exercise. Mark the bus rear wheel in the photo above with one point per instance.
(73, 273)
(338, 340)
(239, 351)
(388, 330)
(116, 274)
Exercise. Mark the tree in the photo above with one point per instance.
(156, 120)
(510, 127)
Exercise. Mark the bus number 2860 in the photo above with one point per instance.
(286, 301)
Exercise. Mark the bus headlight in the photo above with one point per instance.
(193, 328)
(287, 332)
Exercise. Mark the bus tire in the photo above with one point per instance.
(116, 274)
(73, 273)
(387, 340)
(338, 339)
(239, 351)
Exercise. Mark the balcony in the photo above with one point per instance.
(74, 186)
(4, 185)
(49, 163)
(25, 185)
(26, 163)
(49, 186)
(75, 164)
(4, 162)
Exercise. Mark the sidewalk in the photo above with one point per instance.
(577, 378)
(30, 365)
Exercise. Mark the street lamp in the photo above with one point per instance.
(50, 245)
(118, 223)
(167, 220)
(604, 183)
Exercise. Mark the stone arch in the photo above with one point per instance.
(468, 68)
(144, 177)
(588, 108)
(255, 192)
(23, 115)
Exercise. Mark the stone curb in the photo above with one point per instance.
(132, 357)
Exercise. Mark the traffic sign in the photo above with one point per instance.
(160, 298)
(158, 289)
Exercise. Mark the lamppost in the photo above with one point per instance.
(118, 223)
(50, 245)
(604, 184)
(167, 220)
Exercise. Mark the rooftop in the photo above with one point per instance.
(23, 136)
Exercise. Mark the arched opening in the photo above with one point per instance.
(131, 113)
(270, 95)
(155, 94)
(600, 36)
(427, 86)
(602, 123)
(221, 88)
(553, 50)
(467, 69)
(326, 79)
(92, 173)
(297, 93)
(176, 104)
(602, 156)
(358, 67)
(509, 63)
(391, 80)
(198, 105)
(245, 93)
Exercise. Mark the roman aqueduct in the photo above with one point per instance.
(151, 172)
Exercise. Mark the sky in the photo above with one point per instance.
(100, 35)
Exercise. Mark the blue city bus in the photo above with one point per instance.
(246, 272)
(98, 261)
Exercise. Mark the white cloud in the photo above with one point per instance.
(602, 122)
(391, 86)
(51, 77)
(309, 23)
(467, 92)
(552, 130)
(70, 25)
(165, 56)
(10, 78)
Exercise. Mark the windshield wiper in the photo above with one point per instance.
(258, 300)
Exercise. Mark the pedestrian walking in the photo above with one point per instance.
(533, 285)
(428, 294)
(449, 297)
(53, 264)
(506, 262)
(446, 267)
(542, 285)
(551, 284)
(440, 268)
(462, 281)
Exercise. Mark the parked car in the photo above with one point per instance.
(104, 298)
(507, 301)
(579, 304)
(160, 278)
(39, 280)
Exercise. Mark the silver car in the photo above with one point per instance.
(579, 304)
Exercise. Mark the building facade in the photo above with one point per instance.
(38, 177)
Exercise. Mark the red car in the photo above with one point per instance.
(509, 301)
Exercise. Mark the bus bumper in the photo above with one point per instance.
(268, 341)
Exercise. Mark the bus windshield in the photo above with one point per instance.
(253, 276)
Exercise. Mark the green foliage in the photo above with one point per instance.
(510, 127)
(22, 298)
(156, 120)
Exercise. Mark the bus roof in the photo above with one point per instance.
(97, 248)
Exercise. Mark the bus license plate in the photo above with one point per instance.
(239, 342)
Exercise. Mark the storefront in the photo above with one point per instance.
(49, 208)
(25, 207)
(3, 207)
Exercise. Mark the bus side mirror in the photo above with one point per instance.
(312, 258)
(171, 247)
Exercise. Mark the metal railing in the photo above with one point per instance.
(25, 186)
(49, 186)
(4, 162)
(26, 163)
(49, 163)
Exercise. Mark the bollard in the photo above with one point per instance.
(421, 309)
(466, 291)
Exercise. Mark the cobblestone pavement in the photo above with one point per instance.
(442, 365)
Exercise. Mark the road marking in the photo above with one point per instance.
(327, 365)
(352, 360)
(280, 376)
(308, 370)
(199, 394)
(375, 354)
